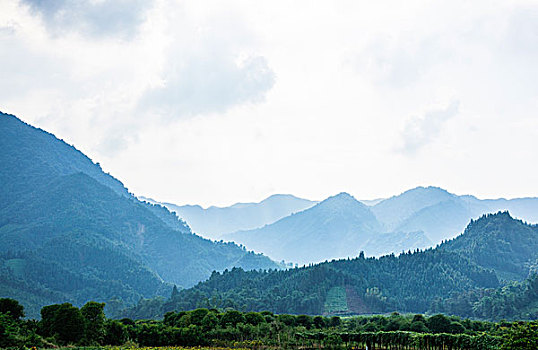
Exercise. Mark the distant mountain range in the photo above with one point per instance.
(472, 275)
(342, 226)
(442, 215)
(338, 227)
(70, 232)
(214, 222)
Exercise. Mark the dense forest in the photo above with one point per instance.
(70, 232)
(443, 279)
(65, 324)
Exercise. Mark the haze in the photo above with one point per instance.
(218, 102)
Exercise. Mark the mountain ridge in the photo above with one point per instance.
(415, 282)
(338, 227)
(60, 211)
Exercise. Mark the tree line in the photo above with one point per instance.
(65, 324)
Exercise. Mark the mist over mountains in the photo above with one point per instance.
(214, 222)
(338, 227)
(489, 271)
(342, 226)
(70, 232)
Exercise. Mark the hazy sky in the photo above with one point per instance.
(214, 102)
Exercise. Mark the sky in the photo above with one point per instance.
(217, 102)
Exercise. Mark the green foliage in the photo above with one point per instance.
(439, 324)
(115, 333)
(231, 318)
(371, 285)
(94, 321)
(11, 307)
(517, 300)
(233, 328)
(521, 336)
(69, 231)
(254, 318)
(68, 324)
(499, 242)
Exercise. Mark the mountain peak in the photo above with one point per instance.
(342, 196)
(500, 216)
(343, 202)
(428, 189)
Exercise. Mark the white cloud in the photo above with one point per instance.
(98, 18)
(213, 102)
(421, 131)
(210, 83)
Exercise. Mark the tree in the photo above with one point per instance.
(209, 322)
(319, 322)
(198, 315)
(232, 318)
(12, 308)
(439, 324)
(334, 321)
(115, 333)
(46, 326)
(254, 318)
(68, 324)
(419, 327)
(94, 317)
(522, 337)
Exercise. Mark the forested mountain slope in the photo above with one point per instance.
(515, 301)
(499, 242)
(69, 232)
(411, 282)
(337, 227)
(213, 222)
(418, 218)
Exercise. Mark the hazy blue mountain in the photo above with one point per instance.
(522, 208)
(441, 221)
(213, 222)
(442, 215)
(337, 227)
(393, 211)
(450, 278)
(395, 242)
(69, 232)
(492, 246)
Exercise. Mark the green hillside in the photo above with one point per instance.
(70, 232)
(499, 242)
(411, 282)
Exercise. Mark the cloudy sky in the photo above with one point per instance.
(215, 102)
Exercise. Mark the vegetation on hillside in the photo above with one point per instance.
(67, 325)
(70, 232)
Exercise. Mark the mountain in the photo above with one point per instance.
(442, 215)
(393, 211)
(338, 227)
(499, 242)
(70, 232)
(411, 282)
(439, 221)
(417, 218)
(214, 222)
